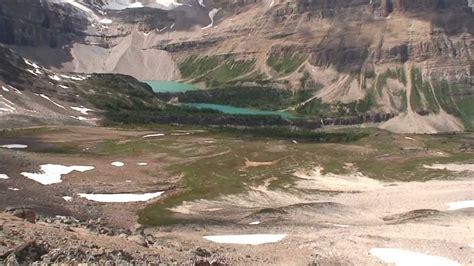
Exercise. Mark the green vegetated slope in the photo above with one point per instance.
(457, 100)
(217, 71)
(119, 92)
(422, 100)
(194, 66)
(286, 63)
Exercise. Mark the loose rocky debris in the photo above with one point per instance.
(26, 238)
(27, 252)
(25, 213)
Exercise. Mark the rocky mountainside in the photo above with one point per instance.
(409, 58)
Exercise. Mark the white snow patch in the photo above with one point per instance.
(14, 146)
(181, 134)
(13, 189)
(8, 105)
(118, 164)
(32, 72)
(89, 12)
(51, 173)
(272, 3)
(105, 21)
(77, 78)
(55, 77)
(451, 167)
(5, 89)
(142, 164)
(80, 118)
(30, 63)
(53, 102)
(82, 110)
(124, 197)
(341, 225)
(153, 135)
(168, 4)
(16, 90)
(212, 14)
(460, 205)
(408, 138)
(401, 257)
(121, 4)
(64, 87)
(79, 6)
(213, 209)
(67, 198)
(201, 3)
(4, 176)
(8, 102)
(136, 5)
(255, 223)
(254, 239)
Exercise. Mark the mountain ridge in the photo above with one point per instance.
(345, 52)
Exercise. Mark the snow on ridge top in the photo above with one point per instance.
(89, 12)
(401, 257)
(122, 197)
(169, 3)
(52, 173)
(255, 239)
(124, 4)
(121, 4)
(4, 176)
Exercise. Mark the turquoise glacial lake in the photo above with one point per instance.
(174, 86)
(168, 86)
(237, 110)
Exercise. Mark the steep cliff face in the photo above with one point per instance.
(360, 57)
(36, 23)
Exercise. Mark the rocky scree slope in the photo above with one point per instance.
(411, 58)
